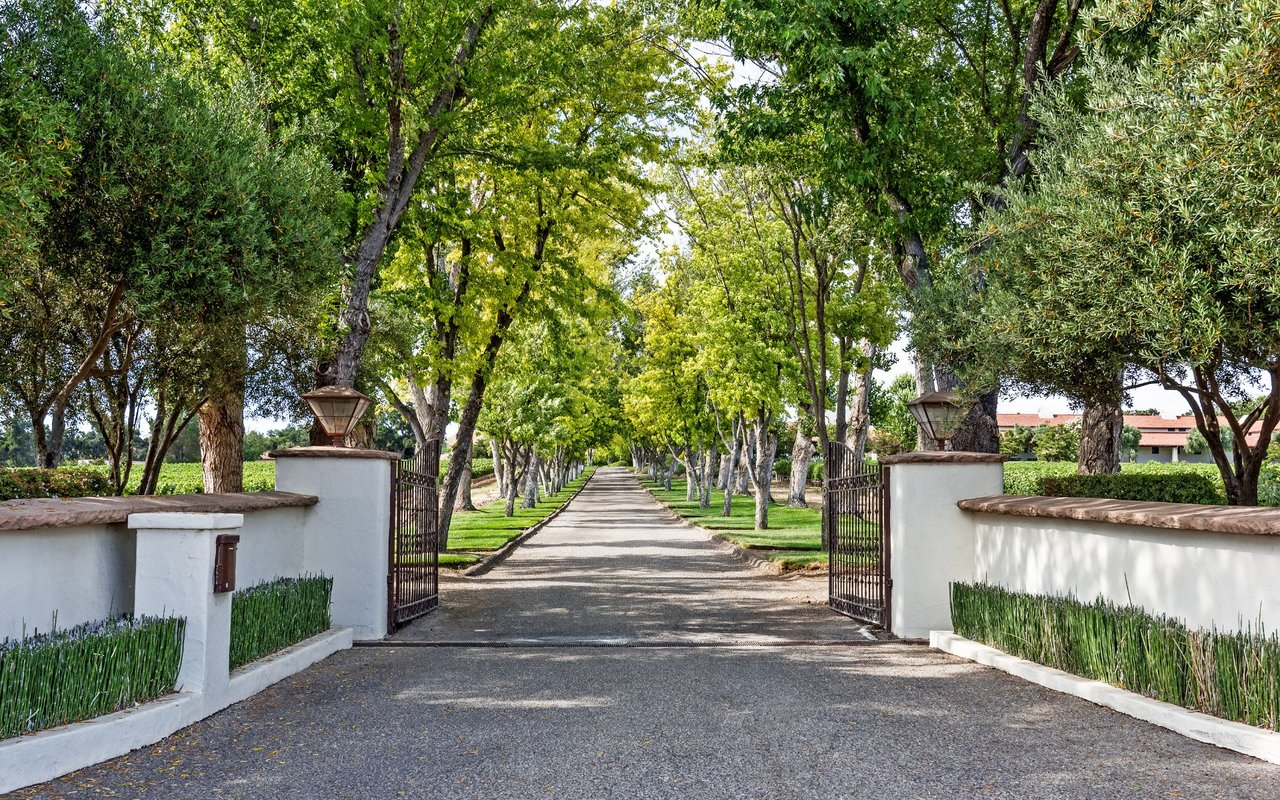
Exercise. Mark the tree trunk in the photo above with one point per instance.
(690, 476)
(979, 432)
(860, 409)
(221, 421)
(801, 454)
(464, 501)
(763, 470)
(499, 472)
(731, 465)
(531, 481)
(709, 460)
(724, 471)
(1100, 430)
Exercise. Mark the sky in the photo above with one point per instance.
(1169, 404)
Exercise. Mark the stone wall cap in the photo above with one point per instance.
(1246, 520)
(944, 457)
(329, 451)
(184, 521)
(53, 512)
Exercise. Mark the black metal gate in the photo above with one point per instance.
(413, 579)
(856, 505)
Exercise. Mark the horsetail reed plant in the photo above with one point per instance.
(277, 613)
(1228, 674)
(50, 679)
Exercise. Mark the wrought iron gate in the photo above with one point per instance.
(413, 577)
(856, 506)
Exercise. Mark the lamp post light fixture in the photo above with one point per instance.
(338, 408)
(939, 415)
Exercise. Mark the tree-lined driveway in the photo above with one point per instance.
(619, 654)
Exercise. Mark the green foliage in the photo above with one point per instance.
(1130, 440)
(1226, 674)
(255, 443)
(259, 476)
(178, 230)
(1057, 442)
(1187, 487)
(1197, 444)
(782, 468)
(815, 472)
(893, 426)
(1017, 441)
(27, 482)
(1148, 482)
(1143, 244)
(86, 671)
(276, 614)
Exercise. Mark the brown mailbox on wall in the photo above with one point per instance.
(224, 563)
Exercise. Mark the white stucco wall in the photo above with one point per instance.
(1204, 578)
(87, 572)
(272, 544)
(82, 573)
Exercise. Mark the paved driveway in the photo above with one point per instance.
(620, 655)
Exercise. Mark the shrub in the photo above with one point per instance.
(815, 472)
(92, 669)
(275, 614)
(782, 468)
(1269, 485)
(1187, 487)
(1057, 442)
(1017, 441)
(1150, 482)
(28, 482)
(1229, 675)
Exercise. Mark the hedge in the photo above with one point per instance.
(1185, 488)
(1150, 482)
(1227, 674)
(96, 668)
(27, 482)
(275, 614)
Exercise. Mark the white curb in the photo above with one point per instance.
(1237, 736)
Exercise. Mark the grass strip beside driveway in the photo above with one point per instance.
(793, 539)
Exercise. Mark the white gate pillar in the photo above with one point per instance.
(931, 541)
(348, 531)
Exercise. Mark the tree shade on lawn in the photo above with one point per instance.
(793, 539)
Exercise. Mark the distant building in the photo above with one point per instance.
(1163, 439)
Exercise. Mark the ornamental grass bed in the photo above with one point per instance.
(278, 613)
(1233, 675)
(96, 668)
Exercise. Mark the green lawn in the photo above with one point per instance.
(474, 533)
(793, 539)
